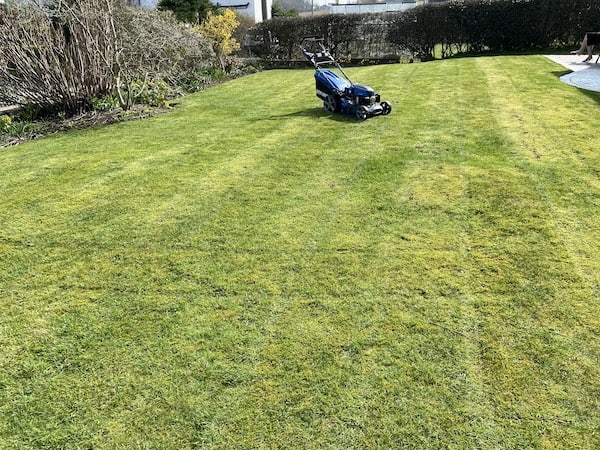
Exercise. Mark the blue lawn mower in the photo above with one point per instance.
(338, 92)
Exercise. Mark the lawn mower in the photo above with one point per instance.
(339, 93)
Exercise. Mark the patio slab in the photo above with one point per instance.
(584, 75)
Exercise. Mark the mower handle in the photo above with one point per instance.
(317, 56)
(311, 39)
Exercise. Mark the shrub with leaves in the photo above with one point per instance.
(219, 30)
(5, 121)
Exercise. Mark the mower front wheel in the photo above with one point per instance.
(362, 113)
(330, 104)
(387, 108)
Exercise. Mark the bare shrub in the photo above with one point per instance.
(56, 56)
(154, 46)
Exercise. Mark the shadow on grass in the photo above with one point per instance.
(317, 113)
(523, 52)
(591, 94)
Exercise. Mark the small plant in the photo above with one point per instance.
(29, 113)
(5, 121)
(104, 103)
(237, 67)
(19, 128)
(194, 80)
(150, 92)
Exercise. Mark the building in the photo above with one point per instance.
(359, 8)
(257, 10)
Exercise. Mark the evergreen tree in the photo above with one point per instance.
(189, 11)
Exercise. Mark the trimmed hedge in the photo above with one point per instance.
(351, 36)
(509, 25)
(458, 25)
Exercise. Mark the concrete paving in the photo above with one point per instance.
(584, 75)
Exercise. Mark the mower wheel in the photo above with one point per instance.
(330, 104)
(362, 113)
(387, 108)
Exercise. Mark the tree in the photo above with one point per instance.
(278, 10)
(219, 29)
(188, 11)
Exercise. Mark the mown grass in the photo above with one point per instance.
(249, 272)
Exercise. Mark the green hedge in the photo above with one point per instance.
(351, 36)
(458, 25)
(509, 25)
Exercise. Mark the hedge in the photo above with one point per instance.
(348, 36)
(458, 25)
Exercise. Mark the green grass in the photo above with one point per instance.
(250, 272)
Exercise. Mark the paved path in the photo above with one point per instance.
(583, 75)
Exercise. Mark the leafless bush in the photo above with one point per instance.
(155, 46)
(56, 56)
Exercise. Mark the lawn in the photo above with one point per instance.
(248, 272)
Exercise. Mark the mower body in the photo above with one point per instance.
(338, 92)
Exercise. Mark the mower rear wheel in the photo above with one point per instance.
(330, 104)
(362, 113)
(387, 108)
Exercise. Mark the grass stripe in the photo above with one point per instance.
(250, 272)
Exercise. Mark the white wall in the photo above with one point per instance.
(251, 8)
(372, 7)
(150, 4)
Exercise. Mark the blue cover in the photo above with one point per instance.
(331, 79)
